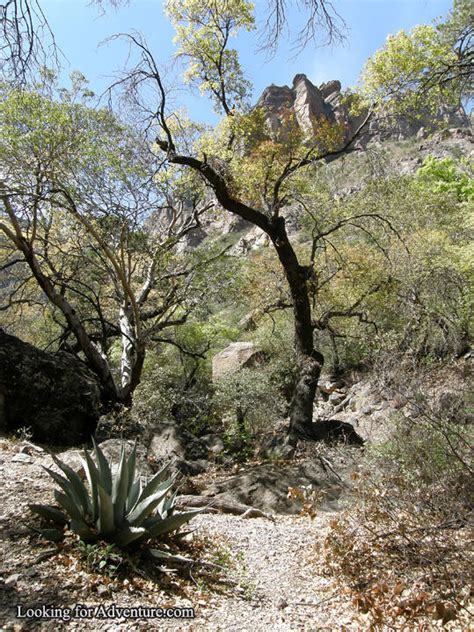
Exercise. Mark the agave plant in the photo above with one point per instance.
(117, 507)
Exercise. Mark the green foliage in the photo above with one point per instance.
(445, 175)
(427, 66)
(103, 229)
(167, 393)
(399, 248)
(116, 507)
(203, 33)
(395, 72)
(248, 401)
(63, 132)
(101, 558)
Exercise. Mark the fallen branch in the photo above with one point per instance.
(223, 505)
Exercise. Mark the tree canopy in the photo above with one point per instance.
(428, 66)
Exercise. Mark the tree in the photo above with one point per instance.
(27, 40)
(84, 220)
(248, 170)
(321, 18)
(427, 67)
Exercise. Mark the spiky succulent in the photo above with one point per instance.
(115, 506)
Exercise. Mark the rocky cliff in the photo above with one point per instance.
(309, 104)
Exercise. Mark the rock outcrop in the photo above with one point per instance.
(53, 396)
(278, 487)
(310, 104)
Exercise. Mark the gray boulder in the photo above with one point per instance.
(236, 356)
(112, 449)
(268, 486)
(54, 396)
(188, 454)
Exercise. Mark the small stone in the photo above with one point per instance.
(11, 580)
(337, 398)
(102, 590)
(281, 604)
(22, 458)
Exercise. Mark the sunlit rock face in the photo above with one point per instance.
(309, 105)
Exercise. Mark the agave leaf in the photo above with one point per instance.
(160, 509)
(152, 485)
(77, 484)
(131, 464)
(103, 467)
(146, 506)
(93, 478)
(49, 513)
(133, 495)
(83, 531)
(151, 522)
(120, 489)
(166, 505)
(172, 523)
(66, 486)
(164, 556)
(169, 503)
(72, 508)
(129, 534)
(105, 520)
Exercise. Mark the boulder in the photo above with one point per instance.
(268, 486)
(188, 454)
(166, 443)
(54, 396)
(254, 239)
(112, 449)
(236, 356)
(213, 443)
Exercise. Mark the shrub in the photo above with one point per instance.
(402, 547)
(248, 401)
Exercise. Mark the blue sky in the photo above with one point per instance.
(80, 27)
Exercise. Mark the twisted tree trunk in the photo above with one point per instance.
(309, 361)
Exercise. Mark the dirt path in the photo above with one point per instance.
(273, 584)
(280, 587)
